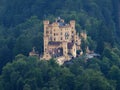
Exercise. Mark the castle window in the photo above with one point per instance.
(54, 34)
(61, 33)
(61, 38)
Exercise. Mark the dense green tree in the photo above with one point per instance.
(22, 46)
(26, 87)
(92, 80)
(105, 65)
(114, 74)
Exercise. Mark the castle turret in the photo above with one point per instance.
(46, 23)
(72, 23)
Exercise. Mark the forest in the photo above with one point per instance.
(21, 28)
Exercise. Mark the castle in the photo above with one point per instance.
(61, 40)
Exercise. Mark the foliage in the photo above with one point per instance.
(29, 73)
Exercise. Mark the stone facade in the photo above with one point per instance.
(61, 40)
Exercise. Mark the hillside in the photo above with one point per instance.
(21, 28)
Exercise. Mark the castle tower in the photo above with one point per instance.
(72, 23)
(46, 53)
(46, 23)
